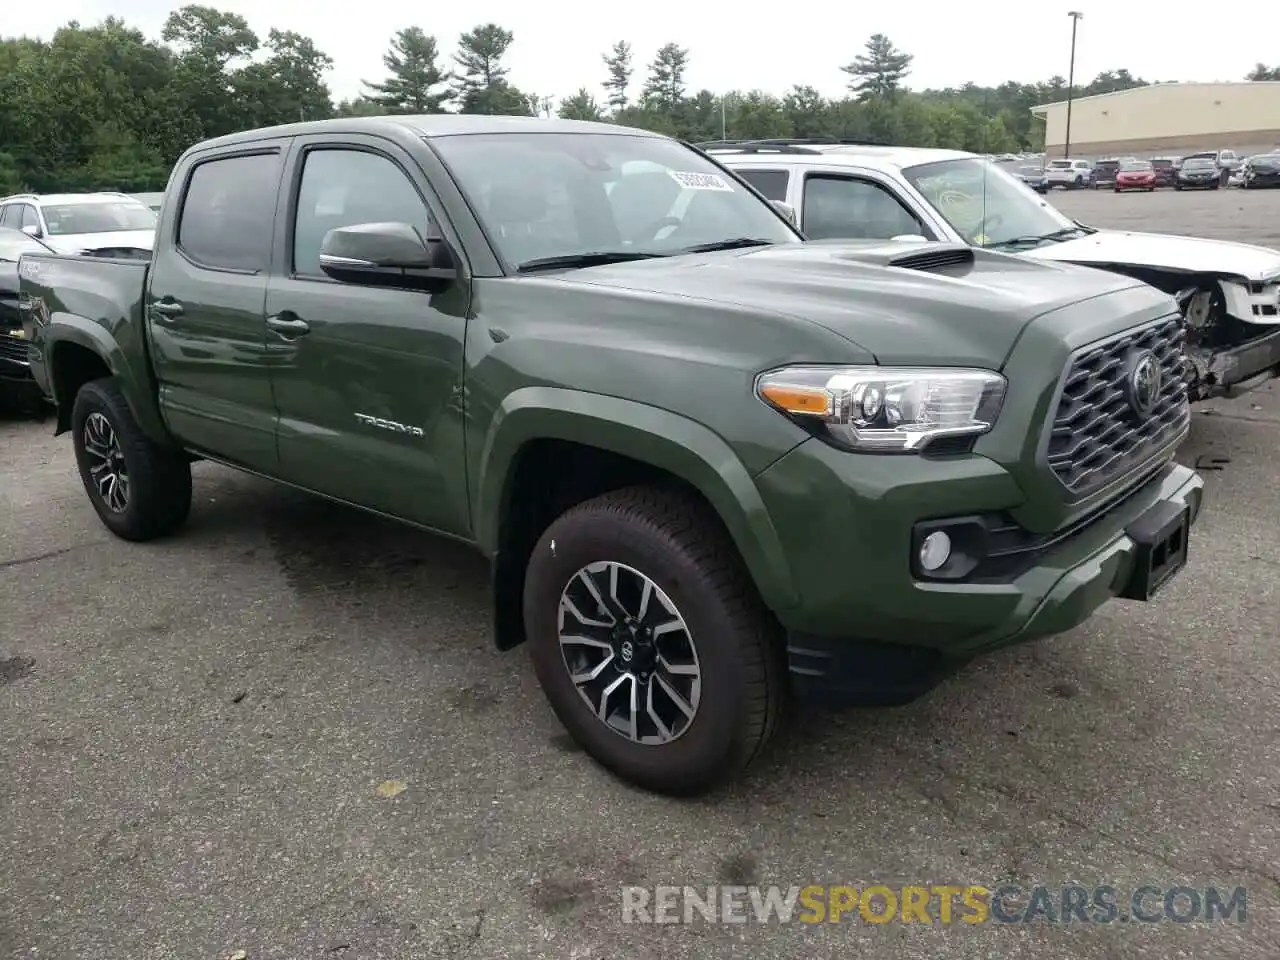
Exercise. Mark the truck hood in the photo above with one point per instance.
(969, 314)
(1183, 254)
(117, 239)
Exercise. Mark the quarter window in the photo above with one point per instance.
(856, 209)
(10, 216)
(341, 188)
(228, 212)
(771, 183)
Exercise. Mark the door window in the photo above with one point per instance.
(771, 183)
(341, 188)
(853, 208)
(228, 212)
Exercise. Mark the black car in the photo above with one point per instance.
(1261, 171)
(1198, 173)
(1104, 173)
(1166, 169)
(16, 384)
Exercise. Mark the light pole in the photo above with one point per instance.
(1075, 16)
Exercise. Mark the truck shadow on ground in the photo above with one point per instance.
(1006, 712)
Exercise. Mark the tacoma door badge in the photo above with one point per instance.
(391, 425)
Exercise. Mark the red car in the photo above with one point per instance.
(1136, 175)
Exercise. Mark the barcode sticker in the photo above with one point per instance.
(700, 181)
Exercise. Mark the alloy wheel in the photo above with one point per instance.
(107, 467)
(629, 653)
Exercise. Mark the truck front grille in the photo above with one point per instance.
(1098, 436)
(14, 349)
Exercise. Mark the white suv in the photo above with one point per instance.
(1068, 174)
(81, 222)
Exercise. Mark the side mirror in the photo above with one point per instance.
(788, 211)
(386, 254)
(33, 230)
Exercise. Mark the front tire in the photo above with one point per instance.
(140, 489)
(673, 676)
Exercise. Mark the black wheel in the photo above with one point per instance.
(1177, 187)
(140, 489)
(650, 640)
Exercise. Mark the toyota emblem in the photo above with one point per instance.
(1143, 383)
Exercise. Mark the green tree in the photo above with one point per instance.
(288, 86)
(581, 106)
(210, 43)
(664, 89)
(618, 63)
(415, 84)
(1261, 71)
(880, 71)
(482, 85)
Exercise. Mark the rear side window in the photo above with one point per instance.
(228, 212)
(772, 183)
(341, 188)
(849, 208)
(10, 216)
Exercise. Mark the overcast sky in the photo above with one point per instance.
(558, 45)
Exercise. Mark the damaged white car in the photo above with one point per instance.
(1229, 292)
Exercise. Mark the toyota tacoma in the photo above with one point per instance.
(712, 464)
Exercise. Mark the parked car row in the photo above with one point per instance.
(1204, 171)
(714, 462)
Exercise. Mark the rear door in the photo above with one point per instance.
(369, 379)
(205, 305)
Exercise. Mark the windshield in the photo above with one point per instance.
(14, 244)
(984, 204)
(1197, 163)
(1138, 167)
(98, 216)
(541, 195)
(1060, 164)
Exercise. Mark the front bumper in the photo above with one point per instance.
(866, 629)
(17, 385)
(1198, 183)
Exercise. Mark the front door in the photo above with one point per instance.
(208, 280)
(367, 379)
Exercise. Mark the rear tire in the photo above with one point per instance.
(140, 489)
(721, 650)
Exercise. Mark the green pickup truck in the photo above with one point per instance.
(712, 464)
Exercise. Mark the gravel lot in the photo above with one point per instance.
(195, 732)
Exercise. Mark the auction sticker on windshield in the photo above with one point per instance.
(700, 181)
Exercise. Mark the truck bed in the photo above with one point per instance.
(101, 298)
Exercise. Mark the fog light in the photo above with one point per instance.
(935, 551)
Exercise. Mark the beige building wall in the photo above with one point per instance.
(1168, 117)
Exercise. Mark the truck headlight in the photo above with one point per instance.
(886, 409)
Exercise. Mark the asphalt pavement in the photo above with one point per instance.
(284, 733)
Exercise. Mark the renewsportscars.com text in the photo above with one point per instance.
(932, 904)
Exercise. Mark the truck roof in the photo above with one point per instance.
(427, 125)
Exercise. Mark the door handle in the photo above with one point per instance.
(288, 323)
(167, 309)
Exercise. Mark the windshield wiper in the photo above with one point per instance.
(736, 243)
(1035, 238)
(592, 258)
